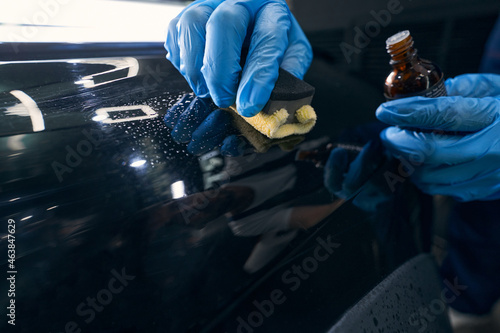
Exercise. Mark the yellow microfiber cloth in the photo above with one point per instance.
(260, 142)
(285, 118)
(276, 125)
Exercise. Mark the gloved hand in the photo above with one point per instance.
(462, 159)
(205, 40)
(200, 123)
(346, 172)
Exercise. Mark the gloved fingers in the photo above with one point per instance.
(233, 145)
(443, 113)
(335, 169)
(172, 39)
(418, 148)
(445, 174)
(298, 56)
(226, 31)
(267, 48)
(474, 85)
(173, 114)
(485, 187)
(191, 118)
(172, 43)
(211, 132)
(185, 42)
(191, 43)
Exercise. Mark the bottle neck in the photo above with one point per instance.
(404, 57)
(402, 51)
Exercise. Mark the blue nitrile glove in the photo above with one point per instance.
(200, 123)
(205, 40)
(462, 158)
(344, 174)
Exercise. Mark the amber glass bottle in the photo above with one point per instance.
(411, 76)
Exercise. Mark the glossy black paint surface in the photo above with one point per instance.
(87, 210)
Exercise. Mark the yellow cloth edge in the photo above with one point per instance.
(274, 126)
(259, 141)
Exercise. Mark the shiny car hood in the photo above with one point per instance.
(98, 189)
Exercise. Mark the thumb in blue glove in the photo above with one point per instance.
(465, 166)
(198, 122)
(205, 40)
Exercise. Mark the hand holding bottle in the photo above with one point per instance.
(462, 159)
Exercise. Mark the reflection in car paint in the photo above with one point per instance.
(123, 68)
(137, 163)
(30, 109)
(203, 234)
(119, 114)
(178, 189)
(15, 143)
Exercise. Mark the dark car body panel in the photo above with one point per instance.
(85, 213)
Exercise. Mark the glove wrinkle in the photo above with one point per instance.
(465, 161)
(204, 42)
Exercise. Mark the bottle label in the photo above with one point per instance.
(439, 89)
(436, 90)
